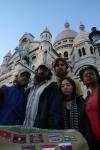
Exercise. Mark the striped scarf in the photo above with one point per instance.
(74, 121)
(32, 105)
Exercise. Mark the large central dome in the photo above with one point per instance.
(67, 33)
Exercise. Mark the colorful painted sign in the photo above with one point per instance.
(22, 138)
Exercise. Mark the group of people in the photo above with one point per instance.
(54, 104)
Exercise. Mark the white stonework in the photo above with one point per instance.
(74, 47)
(64, 41)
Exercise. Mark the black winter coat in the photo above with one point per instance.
(1, 97)
(49, 112)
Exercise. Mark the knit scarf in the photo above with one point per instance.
(74, 121)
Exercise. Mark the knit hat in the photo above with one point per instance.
(45, 66)
(23, 70)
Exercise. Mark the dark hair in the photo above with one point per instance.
(90, 67)
(72, 83)
(62, 60)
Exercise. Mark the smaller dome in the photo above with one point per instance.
(82, 36)
(46, 30)
(8, 54)
(66, 33)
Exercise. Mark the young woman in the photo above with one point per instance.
(72, 106)
(90, 77)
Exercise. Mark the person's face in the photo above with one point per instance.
(66, 87)
(42, 73)
(23, 79)
(89, 77)
(60, 69)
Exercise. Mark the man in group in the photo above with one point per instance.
(43, 104)
(12, 111)
(61, 71)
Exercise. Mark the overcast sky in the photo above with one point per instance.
(20, 16)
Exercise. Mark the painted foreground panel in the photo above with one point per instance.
(22, 138)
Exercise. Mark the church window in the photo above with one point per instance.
(66, 54)
(33, 67)
(83, 51)
(52, 65)
(74, 58)
(80, 53)
(59, 43)
(91, 49)
(69, 45)
(94, 49)
(70, 40)
(64, 41)
(59, 54)
(99, 51)
(24, 40)
(33, 57)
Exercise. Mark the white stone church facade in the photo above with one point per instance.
(74, 47)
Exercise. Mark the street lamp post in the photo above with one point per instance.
(94, 37)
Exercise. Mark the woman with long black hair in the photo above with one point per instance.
(72, 105)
